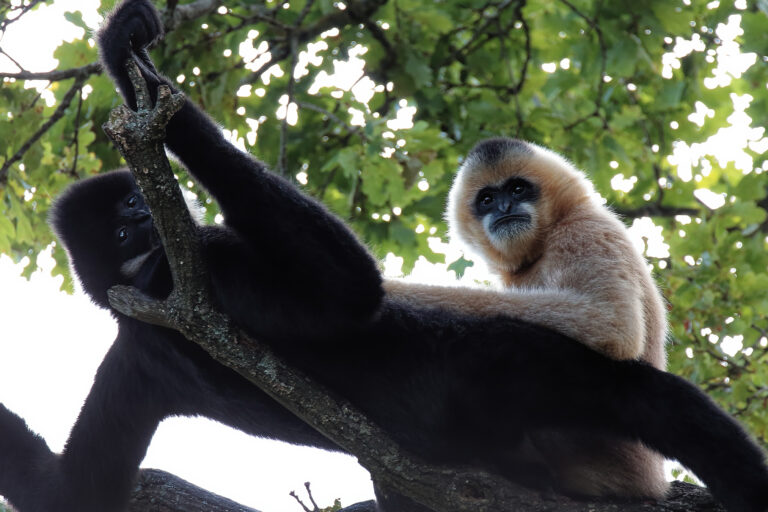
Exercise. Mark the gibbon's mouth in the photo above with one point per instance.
(507, 219)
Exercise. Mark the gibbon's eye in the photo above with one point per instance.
(122, 234)
(485, 198)
(518, 188)
(131, 202)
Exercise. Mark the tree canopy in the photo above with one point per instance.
(369, 105)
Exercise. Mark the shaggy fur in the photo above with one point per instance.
(572, 269)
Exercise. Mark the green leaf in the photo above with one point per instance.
(460, 266)
(418, 68)
(76, 18)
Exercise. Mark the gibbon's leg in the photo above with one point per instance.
(25, 460)
(143, 379)
(663, 411)
(564, 311)
(96, 470)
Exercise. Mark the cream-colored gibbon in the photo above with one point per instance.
(565, 262)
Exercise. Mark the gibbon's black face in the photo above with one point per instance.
(105, 226)
(505, 211)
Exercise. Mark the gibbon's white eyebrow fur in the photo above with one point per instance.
(131, 267)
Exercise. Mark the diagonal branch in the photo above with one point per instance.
(58, 114)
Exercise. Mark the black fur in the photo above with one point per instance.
(450, 389)
(492, 151)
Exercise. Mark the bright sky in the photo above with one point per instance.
(52, 342)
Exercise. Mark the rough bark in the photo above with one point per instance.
(158, 491)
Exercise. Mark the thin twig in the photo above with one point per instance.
(15, 62)
(333, 117)
(302, 15)
(282, 166)
(76, 137)
(595, 26)
(656, 210)
(55, 75)
(527, 32)
(24, 9)
(58, 114)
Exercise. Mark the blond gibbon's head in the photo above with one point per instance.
(507, 196)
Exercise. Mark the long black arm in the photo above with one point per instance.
(287, 229)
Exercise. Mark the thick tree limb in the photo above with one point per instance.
(139, 137)
(158, 491)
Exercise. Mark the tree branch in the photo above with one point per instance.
(356, 12)
(158, 491)
(58, 114)
(23, 9)
(178, 14)
(282, 166)
(655, 210)
(94, 68)
(594, 25)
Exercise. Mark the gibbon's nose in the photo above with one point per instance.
(139, 215)
(504, 205)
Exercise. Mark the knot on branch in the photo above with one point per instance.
(146, 125)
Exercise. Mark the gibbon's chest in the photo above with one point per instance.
(537, 274)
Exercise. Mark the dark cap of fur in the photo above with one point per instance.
(88, 203)
(492, 151)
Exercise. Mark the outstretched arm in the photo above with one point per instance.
(288, 230)
(96, 471)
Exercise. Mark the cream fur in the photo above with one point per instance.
(575, 271)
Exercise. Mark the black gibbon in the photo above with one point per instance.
(564, 261)
(449, 388)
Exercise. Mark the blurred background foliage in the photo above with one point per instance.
(369, 105)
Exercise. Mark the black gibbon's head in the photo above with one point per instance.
(505, 198)
(105, 226)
